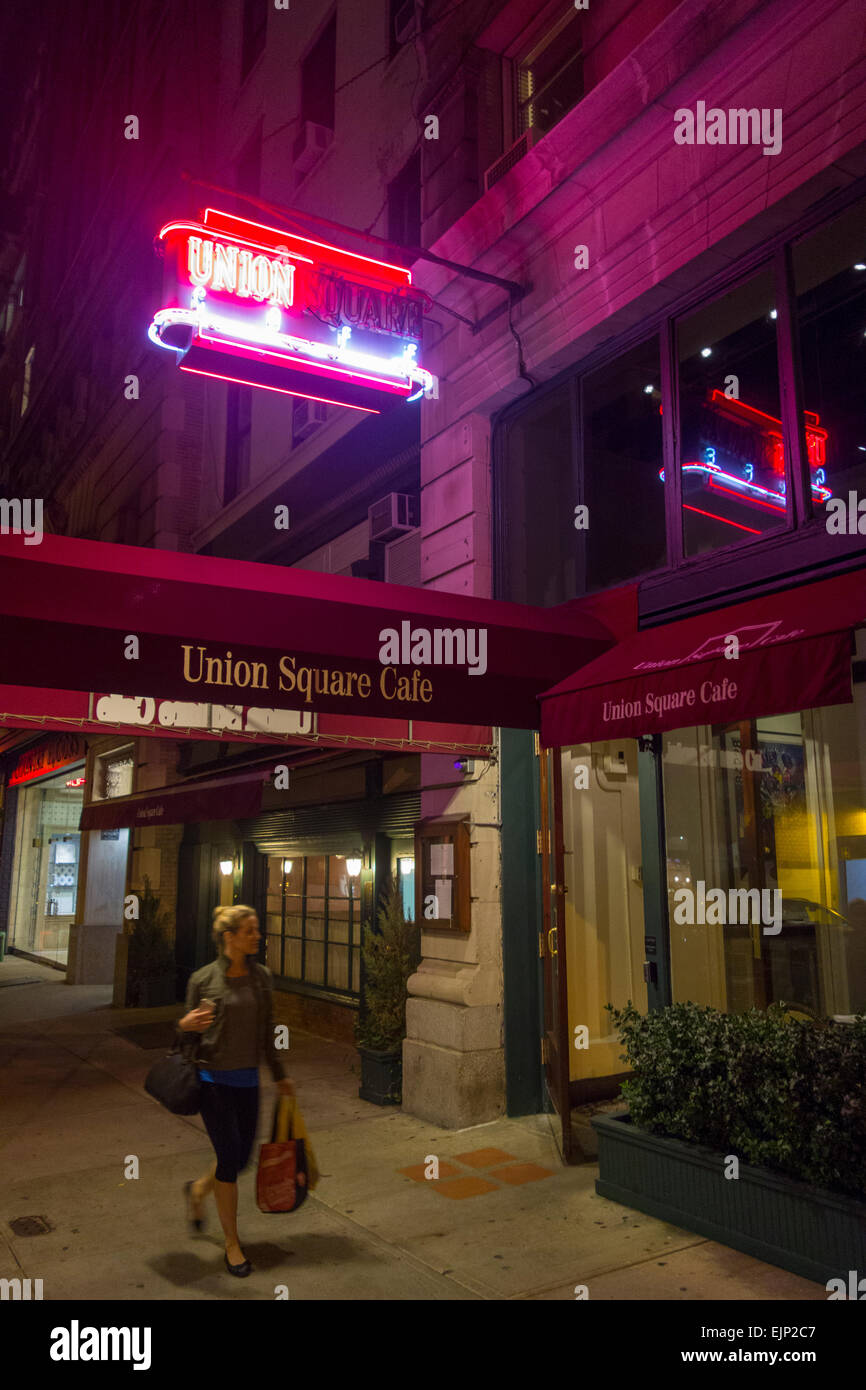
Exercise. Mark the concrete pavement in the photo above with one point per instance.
(504, 1219)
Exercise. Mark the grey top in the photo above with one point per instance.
(238, 1044)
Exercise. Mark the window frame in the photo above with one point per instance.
(802, 521)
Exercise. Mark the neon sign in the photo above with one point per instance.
(713, 481)
(264, 306)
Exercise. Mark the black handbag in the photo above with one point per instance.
(174, 1082)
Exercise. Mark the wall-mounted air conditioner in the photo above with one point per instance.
(307, 417)
(310, 145)
(406, 22)
(390, 517)
(511, 157)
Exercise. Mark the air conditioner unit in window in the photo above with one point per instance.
(511, 157)
(310, 145)
(390, 517)
(406, 22)
(307, 417)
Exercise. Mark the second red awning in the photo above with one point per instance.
(772, 655)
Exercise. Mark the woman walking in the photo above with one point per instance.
(229, 1006)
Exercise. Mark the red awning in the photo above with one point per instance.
(84, 615)
(219, 798)
(794, 649)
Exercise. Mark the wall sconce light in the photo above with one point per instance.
(406, 866)
(353, 867)
(226, 867)
(287, 866)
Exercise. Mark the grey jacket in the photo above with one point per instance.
(210, 983)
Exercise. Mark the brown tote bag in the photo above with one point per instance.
(282, 1177)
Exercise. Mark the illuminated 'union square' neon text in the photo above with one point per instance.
(249, 276)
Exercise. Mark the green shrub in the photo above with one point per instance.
(151, 955)
(391, 954)
(777, 1092)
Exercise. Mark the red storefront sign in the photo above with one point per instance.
(48, 756)
(261, 305)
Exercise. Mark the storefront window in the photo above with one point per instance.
(313, 924)
(830, 284)
(766, 861)
(47, 858)
(622, 462)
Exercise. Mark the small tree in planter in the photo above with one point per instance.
(391, 954)
(150, 973)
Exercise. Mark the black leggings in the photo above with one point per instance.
(231, 1116)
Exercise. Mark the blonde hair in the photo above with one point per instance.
(228, 919)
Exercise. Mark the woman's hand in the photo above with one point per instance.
(196, 1021)
(286, 1087)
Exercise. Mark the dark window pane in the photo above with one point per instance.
(537, 500)
(239, 406)
(730, 427)
(255, 28)
(622, 463)
(248, 168)
(404, 204)
(318, 79)
(831, 308)
(550, 81)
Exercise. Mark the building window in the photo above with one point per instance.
(731, 441)
(254, 32)
(318, 78)
(28, 377)
(404, 204)
(248, 166)
(313, 922)
(776, 805)
(401, 25)
(536, 479)
(239, 419)
(550, 78)
(830, 286)
(624, 532)
(583, 508)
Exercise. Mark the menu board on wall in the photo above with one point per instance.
(442, 896)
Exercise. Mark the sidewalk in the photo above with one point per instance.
(505, 1220)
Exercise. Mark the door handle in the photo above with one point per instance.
(554, 951)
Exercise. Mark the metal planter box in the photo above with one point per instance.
(381, 1076)
(811, 1232)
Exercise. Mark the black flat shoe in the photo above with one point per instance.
(239, 1271)
(196, 1222)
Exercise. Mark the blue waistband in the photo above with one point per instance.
(239, 1076)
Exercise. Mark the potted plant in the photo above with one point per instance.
(747, 1128)
(150, 973)
(391, 954)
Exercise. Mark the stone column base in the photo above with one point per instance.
(454, 1075)
(91, 959)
